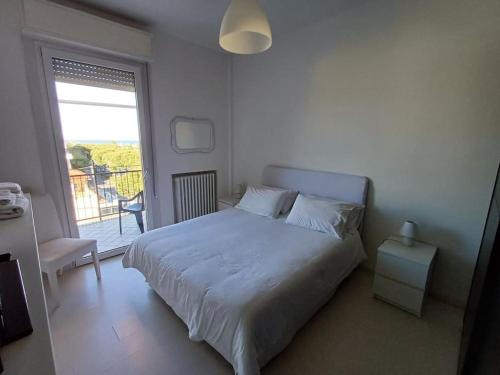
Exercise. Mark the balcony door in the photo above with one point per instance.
(101, 138)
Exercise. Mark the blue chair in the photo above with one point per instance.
(136, 208)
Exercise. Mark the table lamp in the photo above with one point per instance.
(408, 232)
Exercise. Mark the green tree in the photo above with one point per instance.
(112, 157)
(115, 156)
(81, 156)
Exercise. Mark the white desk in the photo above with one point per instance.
(32, 354)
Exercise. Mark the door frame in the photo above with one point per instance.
(140, 71)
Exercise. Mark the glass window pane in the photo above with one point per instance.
(68, 91)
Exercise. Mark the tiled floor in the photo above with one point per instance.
(107, 232)
(121, 327)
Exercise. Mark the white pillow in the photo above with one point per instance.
(355, 212)
(355, 217)
(289, 199)
(262, 201)
(323, 215)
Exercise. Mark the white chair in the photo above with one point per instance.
(54, 250)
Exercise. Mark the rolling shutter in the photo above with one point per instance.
(92, 75)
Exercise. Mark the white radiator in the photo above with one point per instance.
(195, 194)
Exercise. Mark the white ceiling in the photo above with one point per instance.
(198, 20)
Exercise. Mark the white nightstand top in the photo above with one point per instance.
(229, 200)
(421, 253)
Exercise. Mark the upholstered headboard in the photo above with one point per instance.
(344, 187)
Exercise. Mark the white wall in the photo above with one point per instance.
(187, 80)
(58, 22)
(406, 93)
(19, 157)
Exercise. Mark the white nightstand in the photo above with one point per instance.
(402, 274)
(227, 202)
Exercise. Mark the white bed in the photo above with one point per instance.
(246, 283)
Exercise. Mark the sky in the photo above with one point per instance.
(97, 123)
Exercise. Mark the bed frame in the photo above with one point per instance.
(340, 186)
(256, 329)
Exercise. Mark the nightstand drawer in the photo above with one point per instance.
(400, 269)
(404, 296)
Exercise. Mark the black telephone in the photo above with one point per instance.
(15, 321)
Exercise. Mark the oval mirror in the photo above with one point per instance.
(192, 135)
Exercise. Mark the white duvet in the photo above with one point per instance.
(242, 282)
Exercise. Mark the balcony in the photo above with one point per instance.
(95, 200)
(107, 233)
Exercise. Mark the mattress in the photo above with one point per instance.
(242, 282)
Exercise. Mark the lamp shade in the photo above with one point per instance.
(245, 28)
(409, 229)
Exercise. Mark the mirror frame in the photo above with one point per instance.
(196, 121)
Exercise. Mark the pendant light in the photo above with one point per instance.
(245, 28)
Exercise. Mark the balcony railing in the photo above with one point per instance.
(96, 195)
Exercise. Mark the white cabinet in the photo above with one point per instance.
(32, 354)
(402, 274)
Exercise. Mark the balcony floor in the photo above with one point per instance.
(107, 231)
